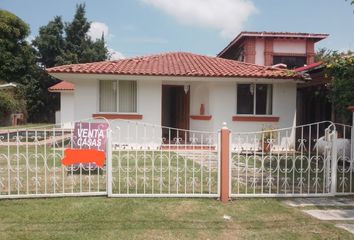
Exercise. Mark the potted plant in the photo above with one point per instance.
(268, 137)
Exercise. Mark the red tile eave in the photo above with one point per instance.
(309, 67)
(296, 77)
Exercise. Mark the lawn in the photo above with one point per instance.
(117, 218)
(28, 125)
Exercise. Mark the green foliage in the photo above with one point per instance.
(16, 55)
(50, 42)
(324, 54)
(7, 103)
(11, 101)
(61, 43)
(340, 69)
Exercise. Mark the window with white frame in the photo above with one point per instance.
(118, 96)
(254, 99)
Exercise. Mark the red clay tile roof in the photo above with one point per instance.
(241, 35)
(309, 67)
(177, 64)
(62, 86)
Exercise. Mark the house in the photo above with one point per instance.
(271, 48)
(179, 90)
(66, 91)
(296, 51)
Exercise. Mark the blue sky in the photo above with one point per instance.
(140, 27)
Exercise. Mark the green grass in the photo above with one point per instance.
(28, 125)
(109, 218)
(162, 172)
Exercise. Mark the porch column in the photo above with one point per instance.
(225, 165)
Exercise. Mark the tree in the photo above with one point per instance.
(61, 43)
(324, 55)
(80, 48)
(17, 61)
(340, 70)
(50, 42)
(16, 55)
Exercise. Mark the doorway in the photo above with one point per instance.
(175, 113)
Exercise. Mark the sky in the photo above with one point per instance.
(143, 27)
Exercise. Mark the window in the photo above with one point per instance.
(118, 96)
(254, 99)
(290, 61)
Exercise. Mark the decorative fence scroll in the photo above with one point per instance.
(153, 161)
(297, 161)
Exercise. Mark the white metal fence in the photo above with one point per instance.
(151, 161)
(308, 160)
(144, 160)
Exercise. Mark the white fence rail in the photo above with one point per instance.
(152, 161)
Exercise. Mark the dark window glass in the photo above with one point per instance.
(261, 94)
(264, 99)
(245, 98)
(290, 61)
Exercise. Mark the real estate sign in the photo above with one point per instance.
(89, 145)
(90, 135)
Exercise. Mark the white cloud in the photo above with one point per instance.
(96, 30)
(226, 16)
(115, 55)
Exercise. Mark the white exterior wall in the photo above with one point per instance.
(289, 46)
(284, 104)
(149, 101)
(85, 101)
(66, 108)
(218, 97)
(199, 94)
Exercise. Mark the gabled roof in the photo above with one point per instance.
(177, 64)
(62, 86)
(309, 67)
(315, 36)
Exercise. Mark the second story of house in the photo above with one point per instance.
(271, 48)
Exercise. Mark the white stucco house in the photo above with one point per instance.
(179, 90)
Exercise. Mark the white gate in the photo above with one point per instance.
(154, 161)
(296, 161)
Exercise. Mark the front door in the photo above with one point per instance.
(175, 112)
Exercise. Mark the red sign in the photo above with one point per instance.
(83, 156)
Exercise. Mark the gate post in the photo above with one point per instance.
(109, 162)
(352, 135)
(334, 161)
(225, 164)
